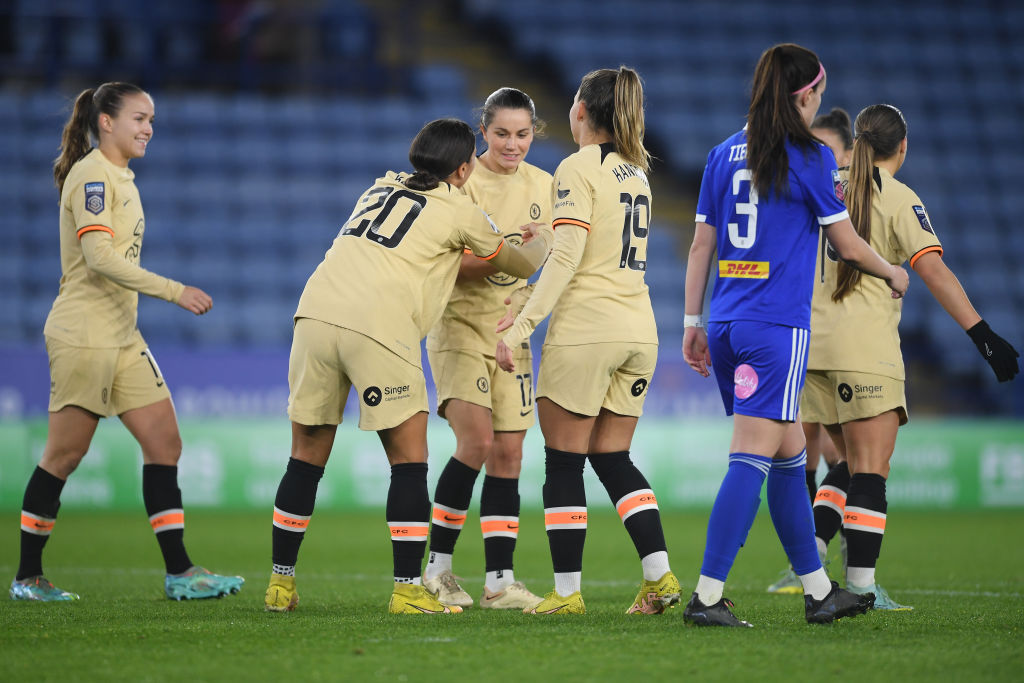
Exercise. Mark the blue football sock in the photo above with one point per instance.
(791, 512)
(733, 512)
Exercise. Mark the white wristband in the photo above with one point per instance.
(692, 321)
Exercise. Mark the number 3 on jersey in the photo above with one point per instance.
(383, 200)
(634, 226)
(747, 208)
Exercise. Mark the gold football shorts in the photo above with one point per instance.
(586, 378)
(326, 361)
(839, 396)
(476, 378)
(104, 381)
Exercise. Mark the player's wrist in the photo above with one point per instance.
(693, 320)
(979, 332)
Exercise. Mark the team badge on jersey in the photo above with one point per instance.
(94, 198)
(504, 279)
(922, 218)
(840, 186)
(535, 211)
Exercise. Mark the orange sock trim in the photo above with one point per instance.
(34, 524)
(565, 518)
(831, 497)
(494, 526)
(635, 502)
(862, 519)
(168, 520)
(289, 522)
(408, 531)
(449, 518)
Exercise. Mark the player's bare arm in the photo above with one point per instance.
(859, 254)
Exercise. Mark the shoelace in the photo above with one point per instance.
(448, 580)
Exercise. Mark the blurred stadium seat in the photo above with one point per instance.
(246, 186)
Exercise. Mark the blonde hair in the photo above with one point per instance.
(615, 104)
(879, 130)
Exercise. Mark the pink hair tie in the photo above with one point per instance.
(821, 74)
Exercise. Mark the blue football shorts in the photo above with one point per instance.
(759, 367)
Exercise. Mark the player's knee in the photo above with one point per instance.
(476, 450)
(62, 460)
(165, 451)
(505, 464)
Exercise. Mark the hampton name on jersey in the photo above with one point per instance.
(476, 306)
(91, 309)
(860, 333)
(606, 204)
(766, 245)
(390, 270)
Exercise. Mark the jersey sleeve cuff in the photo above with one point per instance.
(700, 218)
(92, 228)
(495, 252)
(934, 247)
(570, 221)
(834, 218)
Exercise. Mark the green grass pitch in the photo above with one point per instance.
(962, 571)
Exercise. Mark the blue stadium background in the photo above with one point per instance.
(272, 117)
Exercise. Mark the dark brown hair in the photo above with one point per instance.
(509, 98)
(773, 117)
(438, 150)
(615, 104)
(880, 128)
(82, 126)
(837, 121)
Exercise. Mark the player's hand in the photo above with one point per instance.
(503, 355)
(507, 319)
(695, 350)
(998, 352)
(195, 300)
(515, 301)
(530, 230)
(898, 282)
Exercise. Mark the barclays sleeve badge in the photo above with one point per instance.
(922, 218)
(839, 185)
(94, 198)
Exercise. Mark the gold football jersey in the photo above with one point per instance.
(391, 269)
(605, 298)
(475, 307)
(860, 333)
(92, 310)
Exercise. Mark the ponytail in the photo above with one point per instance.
(615, 105)
(858, 201)
(782, 72)
(880, 129)
(83, 126)
(628, 119)
(422, 181)
(75, 140)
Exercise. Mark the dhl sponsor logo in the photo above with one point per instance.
(756, 270)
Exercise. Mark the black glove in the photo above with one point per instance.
(999, 353)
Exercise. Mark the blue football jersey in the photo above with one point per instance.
(767, 245)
